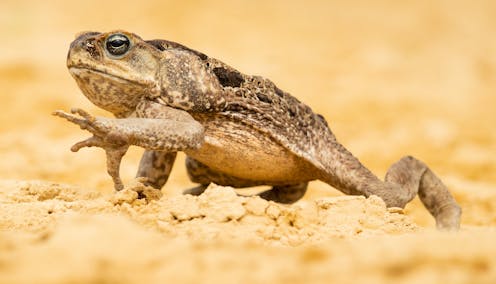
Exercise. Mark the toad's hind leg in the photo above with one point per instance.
(202, 174)
(156, 166)
(415, 177)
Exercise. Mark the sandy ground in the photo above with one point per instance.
(392, 78)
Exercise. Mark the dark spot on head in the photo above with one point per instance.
(264, 98)
(157, 44)
(228, 78)
(162, 45)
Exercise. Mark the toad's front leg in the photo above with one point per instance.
(115, 136)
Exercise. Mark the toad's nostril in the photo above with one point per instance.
(90, 46)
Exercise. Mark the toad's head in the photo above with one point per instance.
(114, 70)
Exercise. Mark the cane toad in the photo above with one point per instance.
(236, 129)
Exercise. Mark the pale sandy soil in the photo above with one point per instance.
(391, 78)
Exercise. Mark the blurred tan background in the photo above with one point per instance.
(391, 77)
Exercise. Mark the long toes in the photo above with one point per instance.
(83, 123)
(57, 112)
(90, 142)
(68, 116)
(83, 113)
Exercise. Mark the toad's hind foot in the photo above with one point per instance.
(197, 190)
(286, 194)
(415, 177)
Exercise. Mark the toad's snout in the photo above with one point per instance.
(85, 45)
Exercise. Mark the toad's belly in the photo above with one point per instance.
(239, 151)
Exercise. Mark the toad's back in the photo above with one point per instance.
(271, 119)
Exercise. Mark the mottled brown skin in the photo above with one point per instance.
(236, 129)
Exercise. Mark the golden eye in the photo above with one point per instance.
(117, 44)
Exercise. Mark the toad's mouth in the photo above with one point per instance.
(77, 71)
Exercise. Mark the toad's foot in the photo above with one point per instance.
(115, 145)
(116, 135)
(416, 177)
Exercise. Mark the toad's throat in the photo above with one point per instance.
(112, 93)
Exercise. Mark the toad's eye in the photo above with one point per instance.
(117, 44)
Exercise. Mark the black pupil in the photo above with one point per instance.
(117, 44)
